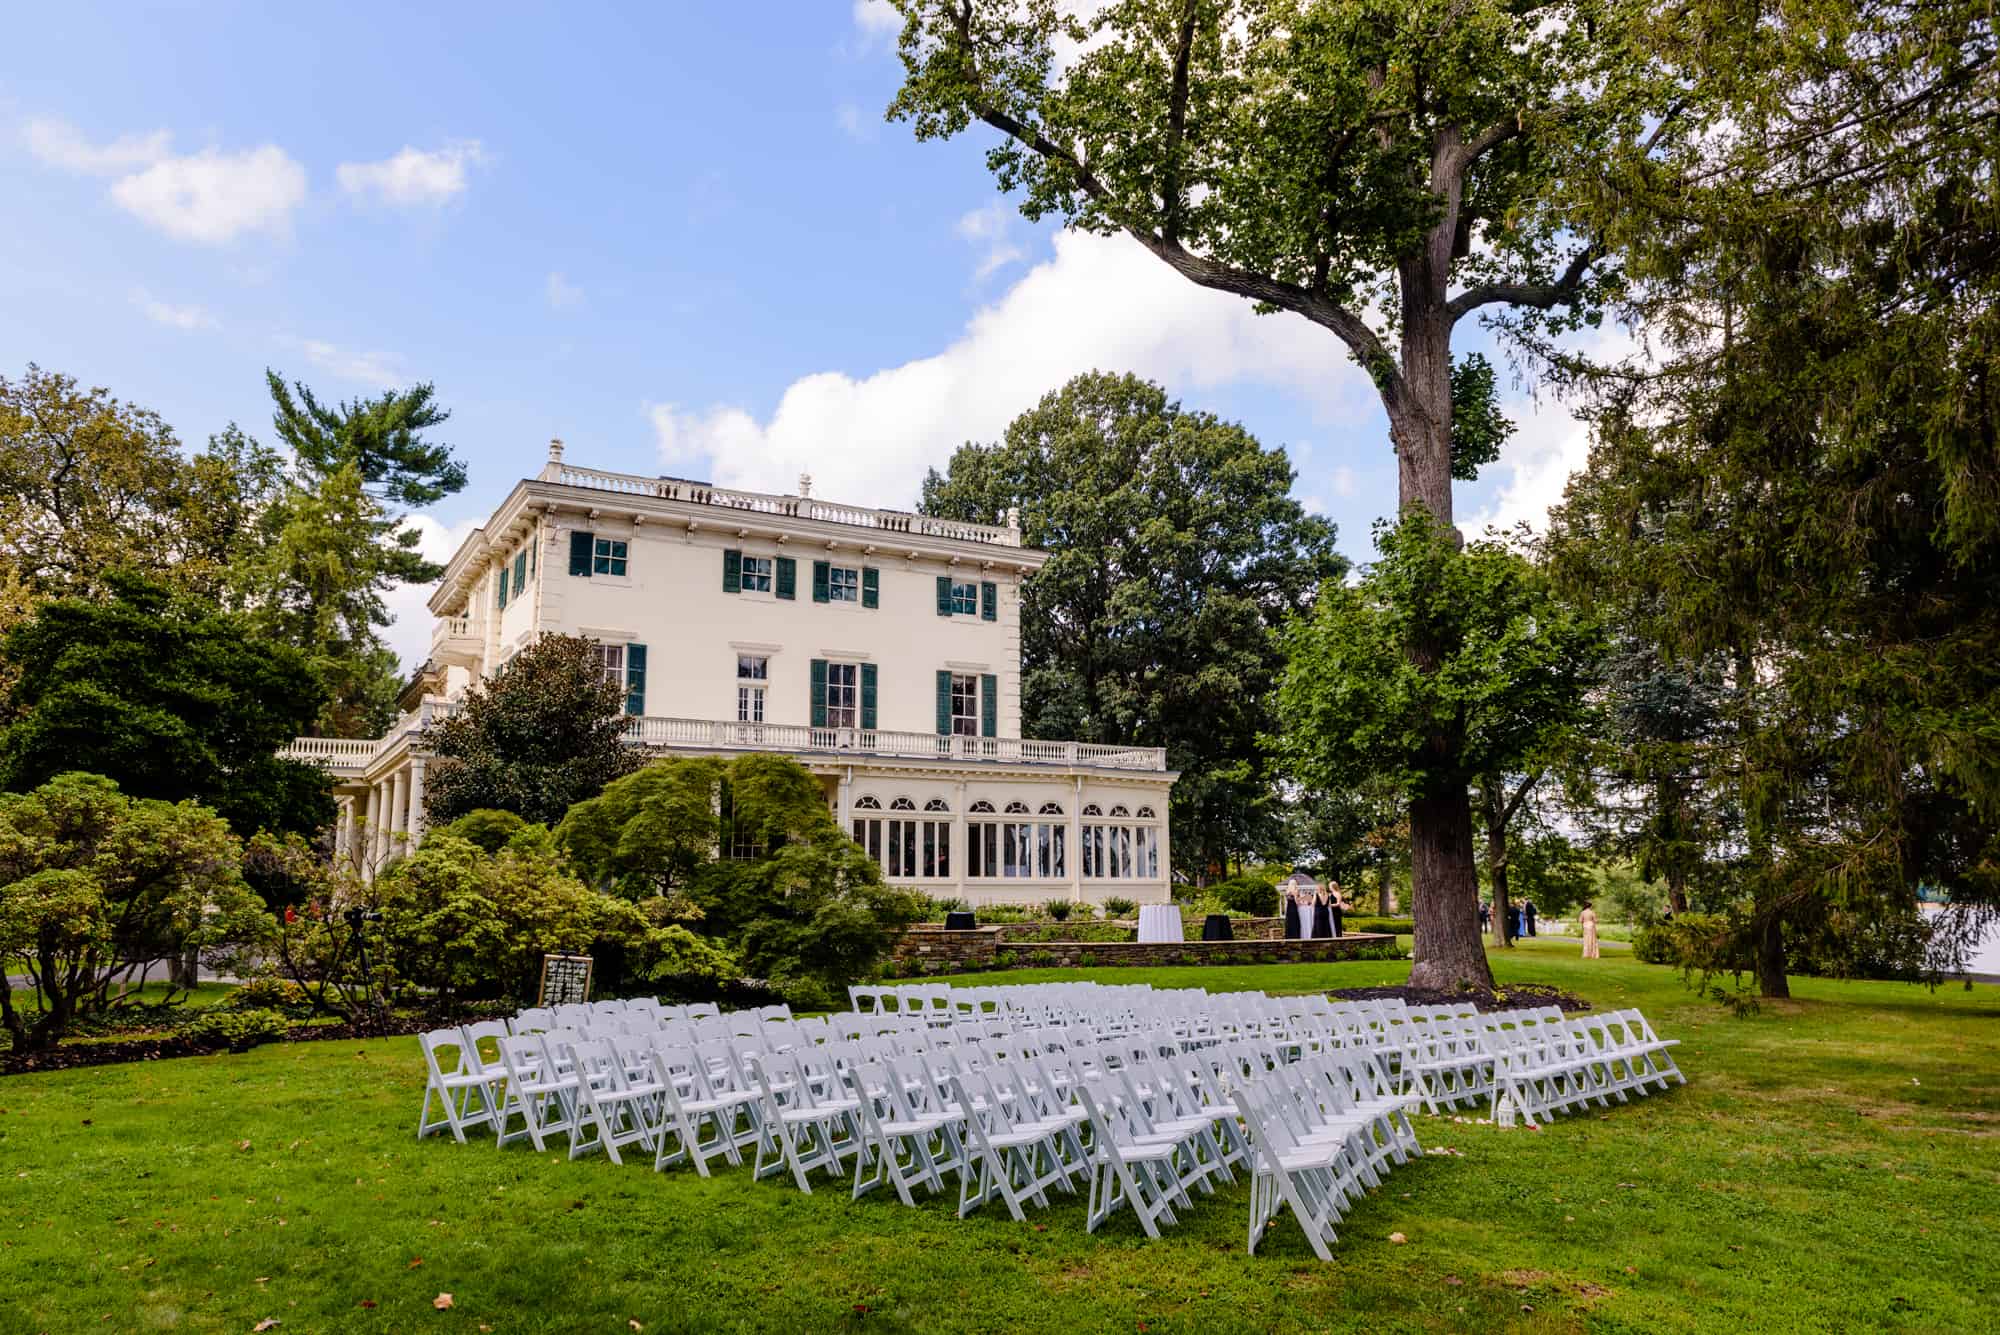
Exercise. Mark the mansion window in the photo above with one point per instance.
(843, 584)
(906, 846)
(753, 671)
(964, 597)
(756, 574)
(612, 657)
(1115, 847)
(964, 704)
(608, 557)
(843, 694)
(1016, 845)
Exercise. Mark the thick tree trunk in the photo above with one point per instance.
(1493, 801)
(1445, 891)
(1677, 899)
(1385, 891)
(1771, 980)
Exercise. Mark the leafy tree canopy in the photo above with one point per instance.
(1176, 552)
(169, 698)
(545, 732)
(95, 885)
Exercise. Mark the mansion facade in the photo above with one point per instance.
(878, 648)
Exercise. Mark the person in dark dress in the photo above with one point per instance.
(1485, 916)
(1513, 922)
(1528, 916)
(1291, 914)
(1337, 902)
(1322, 917)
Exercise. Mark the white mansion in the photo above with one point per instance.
(879, 648)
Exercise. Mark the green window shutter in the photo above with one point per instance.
(534, 546)
(871, 587)
(579, 552)
(788, 577)
(989, 601)
(989, 704)
(635, 678)
(944, 700)
(503, 588)
(944, 595)
(732, 571)
(819, 692)
(520, 571)
(820, 569)
(868, 696)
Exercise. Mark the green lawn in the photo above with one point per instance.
(1832, 1164)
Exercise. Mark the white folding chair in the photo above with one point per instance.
(455, 1078)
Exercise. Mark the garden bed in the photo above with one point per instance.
(1512, 997)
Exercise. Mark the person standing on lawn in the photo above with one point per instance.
(1322, 916)
(1337, 902)
(1528, 916)
(1291, 913)
(1587, 920)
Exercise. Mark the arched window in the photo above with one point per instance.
(866, 804)
(1051, 809)
(978, 808)
(1092, 809)
(902, 804)
(1120, 811)
(1145, 813)
(1017, 808)
(937, 804)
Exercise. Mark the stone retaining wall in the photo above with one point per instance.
(932, 948)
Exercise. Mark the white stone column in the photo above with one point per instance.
(373, 837)
(343, 829)
(1076, 840)
(961, 846)
(399, 824)
(416, 813)
(1166, 848)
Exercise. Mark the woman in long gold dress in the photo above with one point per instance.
(1588, 921)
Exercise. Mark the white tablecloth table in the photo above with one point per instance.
(1160, 922)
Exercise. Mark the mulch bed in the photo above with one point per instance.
(68, 1056)
(1514, 997)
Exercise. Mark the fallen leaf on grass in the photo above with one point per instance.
(633, 1323)
(242, 1144)
(1398, 1239)
(268, 1323)
(1453, 1280)
(442, 1301)
(416, 1261)
(366, 1302)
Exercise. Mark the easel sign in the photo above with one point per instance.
(565, 980)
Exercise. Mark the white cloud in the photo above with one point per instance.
(1098, 302)
(210, 196)
(60, 144)
(877, 19)
(409, 628)
(1343, 481)
(563, 295)
(159, 312)
(988, 228)
(1548, 445)
(413, 178)
(213, 196)
(375, 369)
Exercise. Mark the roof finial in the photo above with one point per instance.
(806, 485)
(555, 449)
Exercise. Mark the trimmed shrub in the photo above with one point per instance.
(268, 993)
(1246, 894)
(237, 1030)
(1058, 909)
(1119, 907)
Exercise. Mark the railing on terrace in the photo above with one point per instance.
(787, 507)
(715, 734)
(450, 628)
(349, 758)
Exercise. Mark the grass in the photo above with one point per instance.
(1832, 1164)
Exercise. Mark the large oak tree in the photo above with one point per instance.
(1382, 170)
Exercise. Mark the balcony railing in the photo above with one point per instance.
(348, 759)
(785, 507)
(798, 739)
(451, 628)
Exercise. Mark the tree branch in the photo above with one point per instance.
(1177, 100)
(1542, 296)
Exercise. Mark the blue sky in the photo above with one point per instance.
(679, 236)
